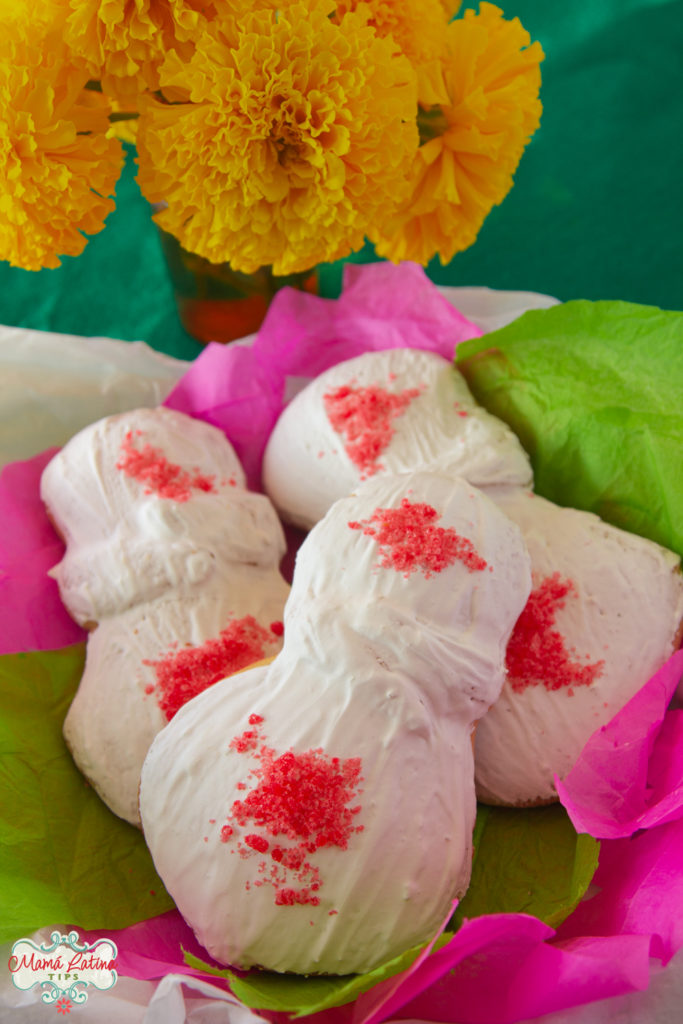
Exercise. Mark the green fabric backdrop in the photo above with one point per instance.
(596, 213)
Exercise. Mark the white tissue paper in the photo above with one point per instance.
(52, 385)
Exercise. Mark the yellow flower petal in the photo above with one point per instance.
(418, 29)
(475, 141)
(293, 134)
(123, 43)
(57, 168)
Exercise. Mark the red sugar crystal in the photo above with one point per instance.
(537, 652)
(247, 741)
(290, 858)
(278, 628)
(289, 897)
(258, 843)
(150, 466)
(183, 674)
(303, 798)
(410, 540)
(364, 417)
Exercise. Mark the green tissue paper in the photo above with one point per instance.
(594, 391)
(64, 857)
(528, 861)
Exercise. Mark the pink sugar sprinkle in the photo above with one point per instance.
(290, 897)
(303, 796)
(183, 674)
(364, 417)
(537, 652)
(248, 740)
(258, 843)
(305, 800)
(150, 466)
(410, 540)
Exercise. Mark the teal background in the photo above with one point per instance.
(596, 211)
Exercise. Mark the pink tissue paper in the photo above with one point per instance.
(630, 773)
(243, 389)
(34, 618)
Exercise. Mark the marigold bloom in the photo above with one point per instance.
(57, 168)
(472, 146)
(124, 43)
(418, 27)
(451, 7)
(286, 136)
(45, 13)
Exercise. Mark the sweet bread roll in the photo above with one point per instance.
(316, 815)
(173, 566)
(147, 501)
(383, 412)
(605, 613)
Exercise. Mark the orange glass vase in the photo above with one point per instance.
(217, 303)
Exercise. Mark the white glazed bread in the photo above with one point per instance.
(146, 662)
(172, 565)
(316, 815)
(605, 613)
(394, 411)
(158, 521)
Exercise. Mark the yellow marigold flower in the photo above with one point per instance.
(57, 167)
(451, 7)
(286, 136)
(45, 13)
(125, 42)
(418, 27)
(472, 146)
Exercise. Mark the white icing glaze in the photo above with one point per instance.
(132, 546)
(112, 719)
(306, 466)
(625, 613)
(152, 572)
(377, 665)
